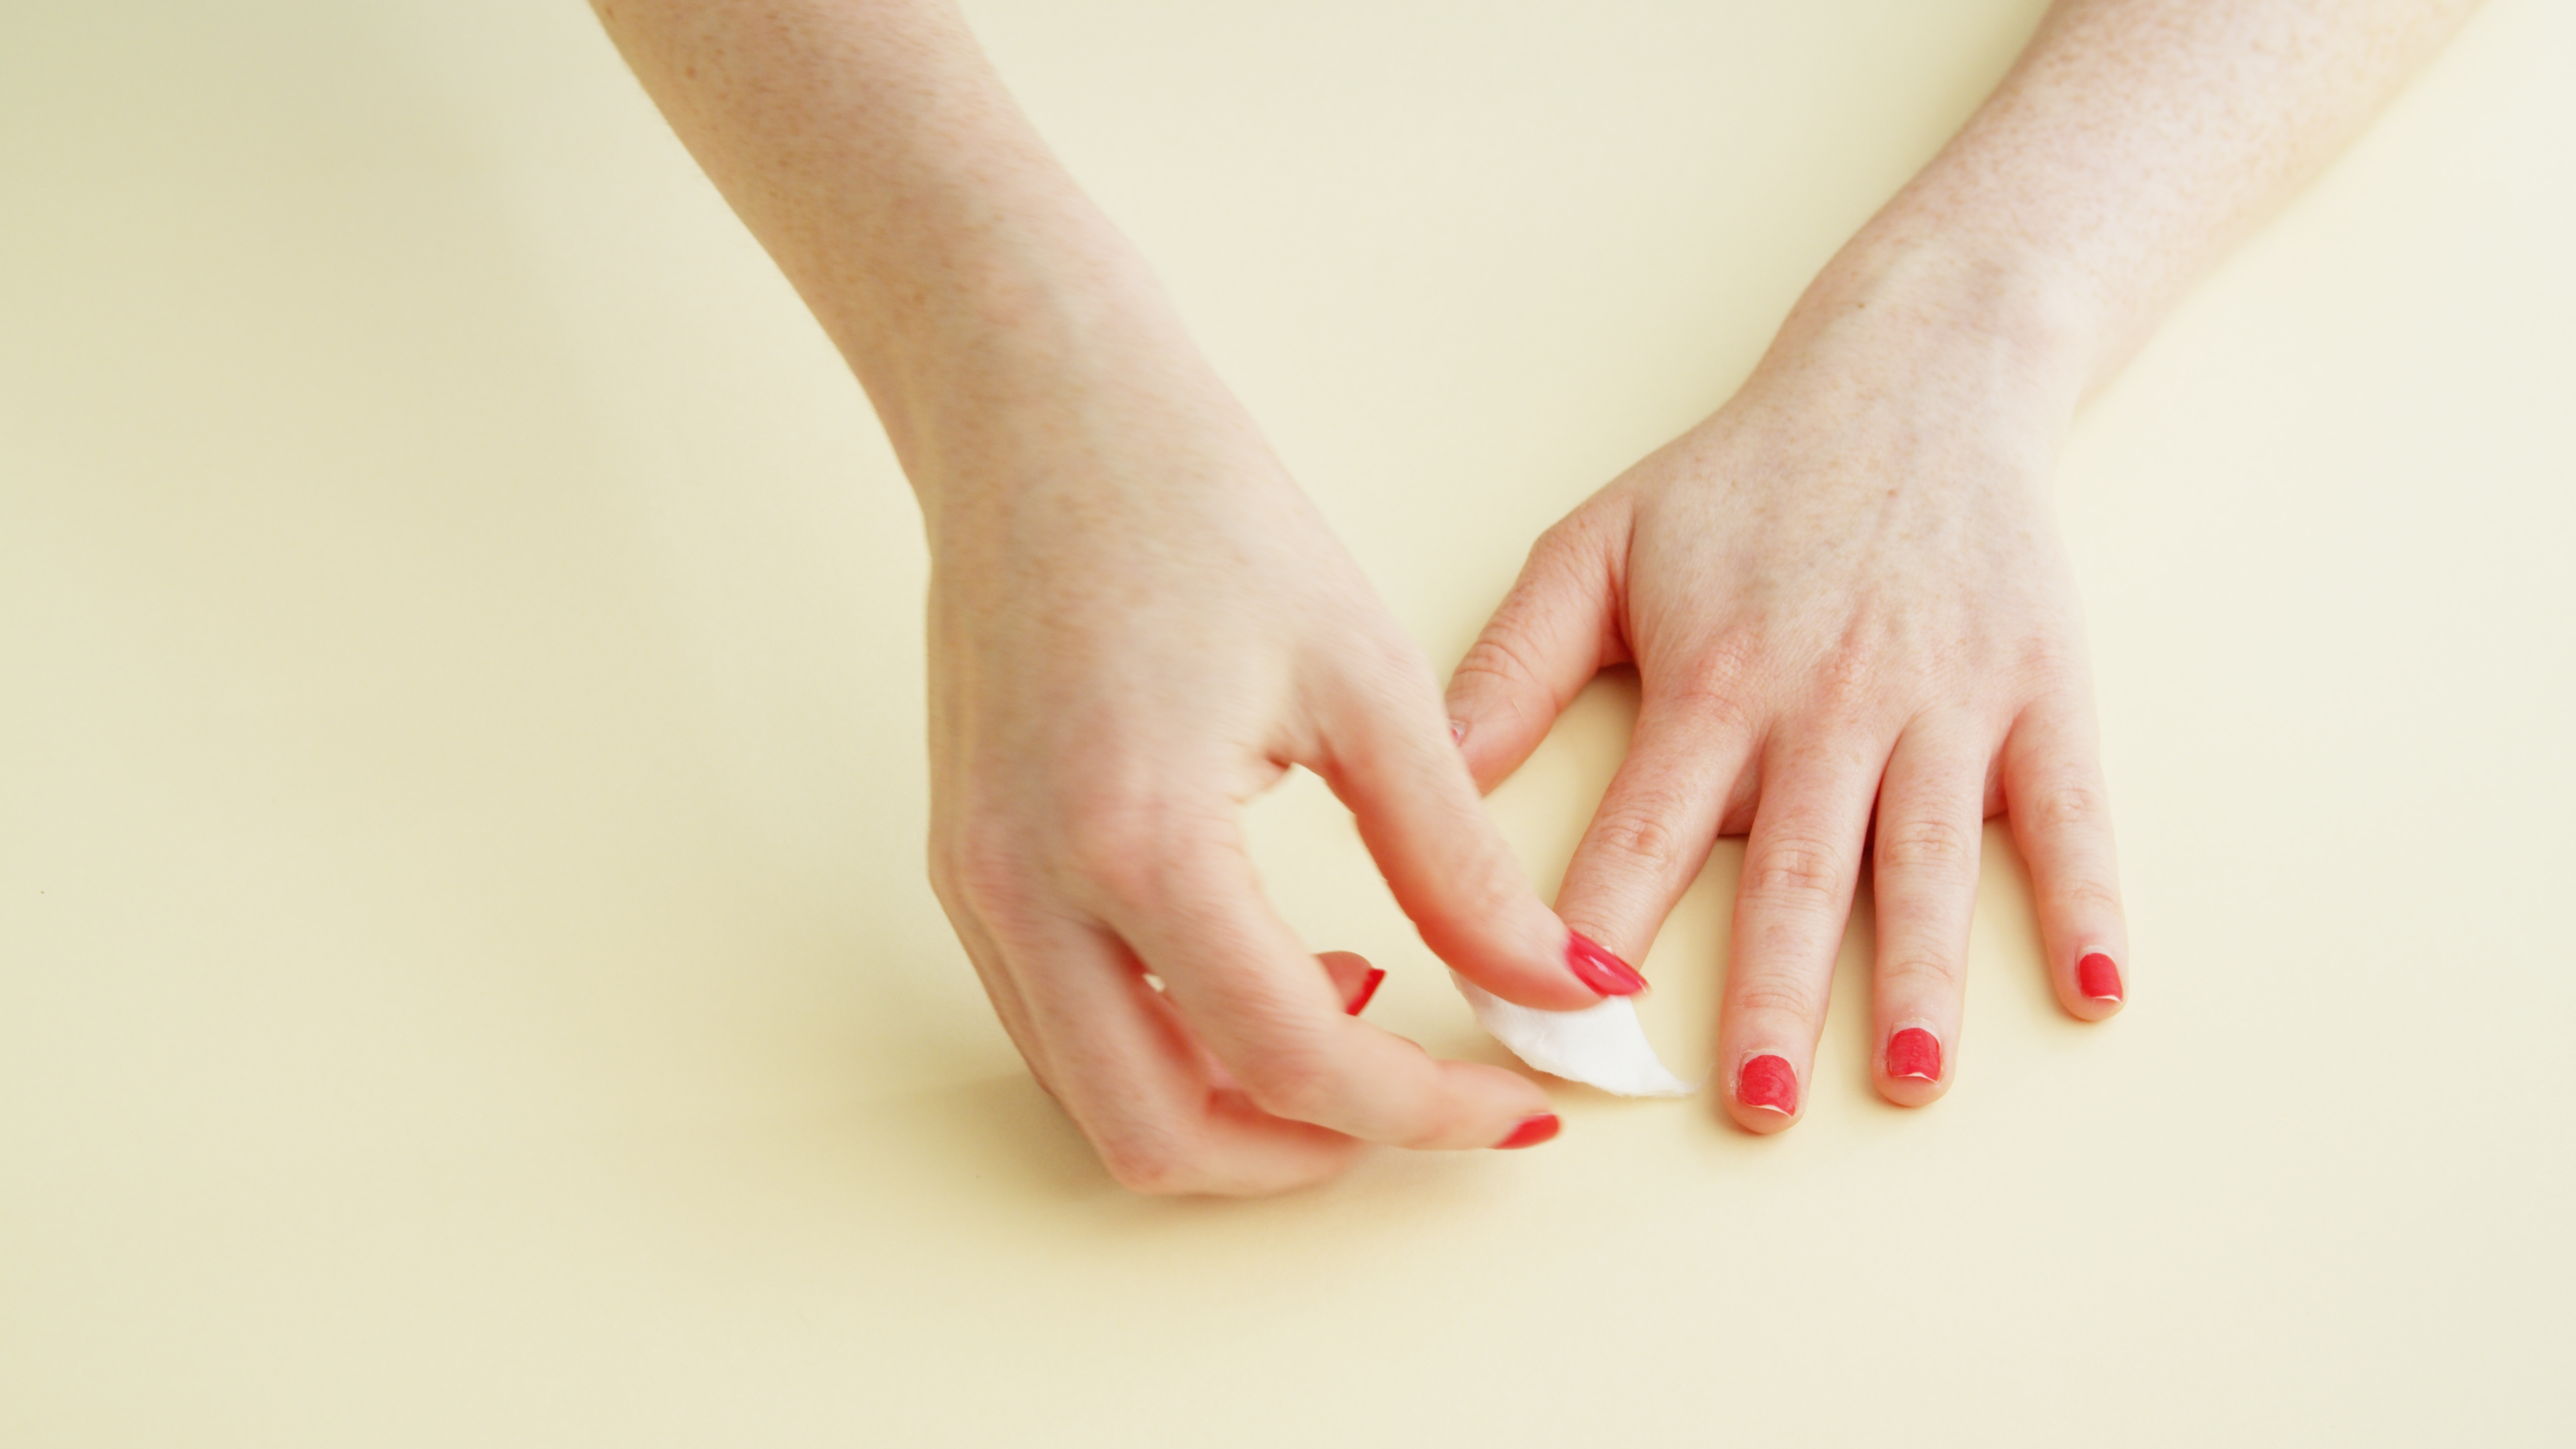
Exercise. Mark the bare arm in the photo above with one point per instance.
(2135, 141)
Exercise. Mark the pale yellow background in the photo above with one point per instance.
(466, 973)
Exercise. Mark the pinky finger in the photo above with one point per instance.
(2061, 819)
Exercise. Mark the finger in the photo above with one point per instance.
(1800, 865)
(2061, 819)
(1385, 755)
(1930, 826)
(1354, 980)
(1138, 1084)
(1250, 993)
(1552, 633)
(1657, 821)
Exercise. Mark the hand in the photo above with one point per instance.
(1137, 622)
(1844, 594)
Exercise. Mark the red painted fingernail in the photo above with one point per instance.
(1457, 733)
(1367, 992)
(1594, 966)
(2098, 977)
(1914, 1052)
(1532, 1131)
(1766, 1081)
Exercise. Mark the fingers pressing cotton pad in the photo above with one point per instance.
(1601, 1045)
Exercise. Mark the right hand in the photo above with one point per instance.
(1137, 623)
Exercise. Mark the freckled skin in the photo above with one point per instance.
(1843, 590)
(1853, 622)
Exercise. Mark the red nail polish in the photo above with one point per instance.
(1532, 1131)
(1367, 992)
(1594, 966)
(1914, 1052)
(1766, 1081)
(2098, 977)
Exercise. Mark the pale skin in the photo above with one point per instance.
(1843, 593)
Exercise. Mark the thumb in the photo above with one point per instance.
(1391, 761)
(1553, 632)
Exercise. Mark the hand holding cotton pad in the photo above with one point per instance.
(1602, 1045)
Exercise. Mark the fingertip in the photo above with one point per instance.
(2097, 989)
(1760, 1121)
(1367, 991)
(1571, 975)
(1765, 1097)
(1489, 756)
(1354, 980)
(1911, 1067)
(1600, 968)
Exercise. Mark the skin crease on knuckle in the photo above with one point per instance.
(2067, 805)
(1928, 847)
(1641, 833)
(1774, 996)
(1292, 1079)
(1923, 976)
(1800, 873)
(1502, 655)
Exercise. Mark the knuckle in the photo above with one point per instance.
(1121, 849)
(1847, 674)
(1716, 684)
(1777, 996)
(1289, 1081)
(1801, 872)
(2070, 805)
(2089, 895)
(1502, 653)
(1930, 846)
(1642, 832)
(1940, 973)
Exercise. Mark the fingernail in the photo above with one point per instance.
(1457, 733)
(1594, 966)
(1914, 1052)
(1367, 992)
(1766, 1081)
(2098, 977)
(1532, 1131)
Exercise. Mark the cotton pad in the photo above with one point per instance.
(1601, 1045)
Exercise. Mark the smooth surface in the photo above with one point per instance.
(466, 973)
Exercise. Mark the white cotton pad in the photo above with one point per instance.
(1601, 1046)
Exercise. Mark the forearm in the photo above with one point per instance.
(873, 151)
(2132, 143)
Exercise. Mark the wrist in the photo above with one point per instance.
(963, 324)
(1994, 315)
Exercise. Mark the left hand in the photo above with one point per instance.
(1845, 596)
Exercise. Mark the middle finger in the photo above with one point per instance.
(1800, 865)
